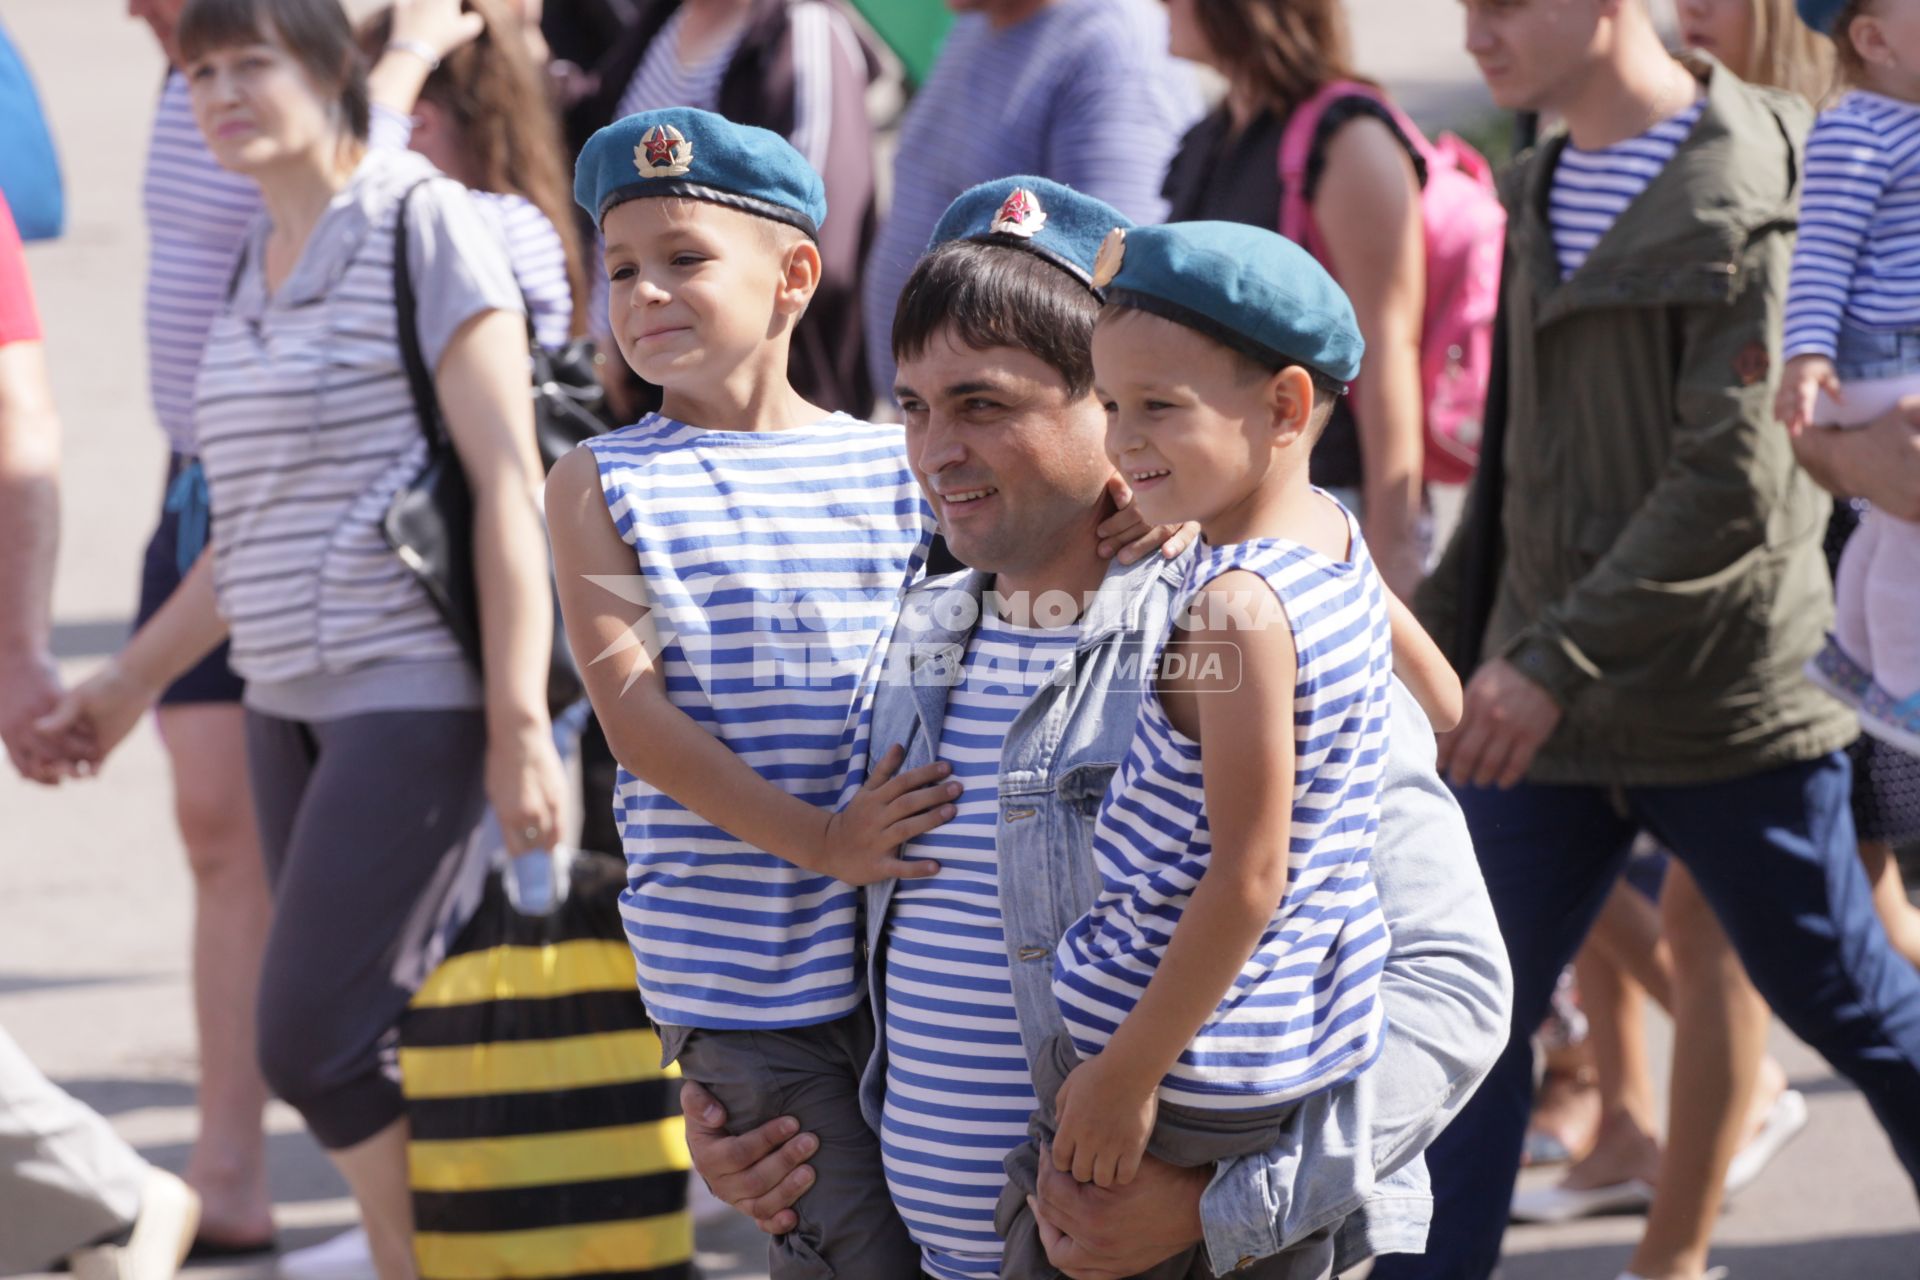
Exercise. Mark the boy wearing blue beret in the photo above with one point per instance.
(727, 568)
(1229, 967)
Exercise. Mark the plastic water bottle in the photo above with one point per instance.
(537, 880)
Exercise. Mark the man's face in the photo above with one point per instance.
(163, 16)
(1532, 53)
(1012, 462)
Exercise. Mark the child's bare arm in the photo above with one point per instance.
(1425, 671)
(614, 643)
(1801, 383)
(1105, 1108)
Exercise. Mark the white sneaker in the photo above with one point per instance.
(348, 1256)
(1786, 1117)
(1565, 1204)
(162, 1234)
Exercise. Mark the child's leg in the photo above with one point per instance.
(848, 1228)
(1892, 589)
(1182, 1136)
(1850, 593)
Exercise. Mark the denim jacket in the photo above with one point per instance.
(1349, 1161)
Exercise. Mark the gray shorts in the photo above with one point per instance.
(1184, 1136)
(849, 1229)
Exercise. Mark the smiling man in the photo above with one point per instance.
(1016, 674)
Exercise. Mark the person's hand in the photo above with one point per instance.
(760, 1173)
(1108, 1233)
(1801, 383)
(862, 841)
(1126, 535)
(1101, 1124)
(570, 83)
(526, 785)
(440, 25)
(1879, 462)
(29, 689)
(92, 718)
(1508, 718)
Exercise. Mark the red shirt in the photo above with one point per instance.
(19, 322)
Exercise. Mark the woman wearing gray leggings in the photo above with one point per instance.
(374, 745)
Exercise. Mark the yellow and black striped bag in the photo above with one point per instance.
(547, 1143)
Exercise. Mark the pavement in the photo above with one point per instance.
(94, 893)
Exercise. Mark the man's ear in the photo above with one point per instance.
(800, 275)
(1290, 402)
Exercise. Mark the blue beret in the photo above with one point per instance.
(1035, 214)
(1246, 287)
(1821, 14)
(698, 155)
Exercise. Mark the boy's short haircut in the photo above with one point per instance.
(991, 295)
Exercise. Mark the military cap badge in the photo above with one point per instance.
(1106, 263)
(1020, 215)
(664, 152)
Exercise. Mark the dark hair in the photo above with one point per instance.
(989, 294)
(498, 99)
(315, 32)
(1851, 65)
(1279, 51)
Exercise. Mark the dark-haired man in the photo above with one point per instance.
(993, 336)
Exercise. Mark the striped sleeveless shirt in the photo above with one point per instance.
(1304, 1014)
(775, 562)
(959, 1089)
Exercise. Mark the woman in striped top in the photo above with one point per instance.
(373, 745)
(484, 119)
(1230, 965)
(1853, 339)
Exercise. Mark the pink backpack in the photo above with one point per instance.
(1465, 228)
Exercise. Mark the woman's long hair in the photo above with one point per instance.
(508, 126)
(1787, 54)
(1278, 53)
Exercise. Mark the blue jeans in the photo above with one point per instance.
(1775, 856)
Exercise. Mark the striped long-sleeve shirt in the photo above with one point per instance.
(1084, 92)
(1858, 255)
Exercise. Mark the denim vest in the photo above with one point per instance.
(1350, 1160)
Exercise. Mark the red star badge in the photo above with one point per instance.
(659, 146)
(1020, 215)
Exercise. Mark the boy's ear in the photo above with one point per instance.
(1290, 401)
(800, 273)
(1869, 41)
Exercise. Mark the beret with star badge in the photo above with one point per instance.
(1243, 286)
(1043, 217)
(697, 155)
(1821, 14)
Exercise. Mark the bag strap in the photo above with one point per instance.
(426, 401)
(1296, 154)
(1486, 501)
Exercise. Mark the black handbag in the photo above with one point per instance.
(429, 523)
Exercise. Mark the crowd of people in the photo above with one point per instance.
(1076, 913)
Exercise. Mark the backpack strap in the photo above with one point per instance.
(1296, 155)
(426, 401)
